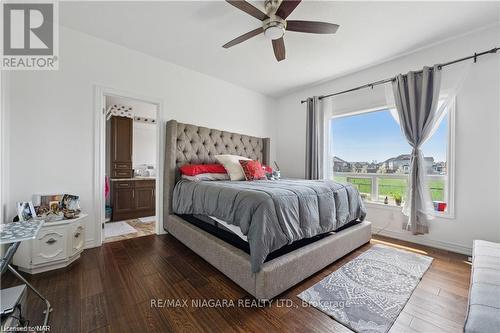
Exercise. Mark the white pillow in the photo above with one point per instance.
(232, 165)
(207, 176)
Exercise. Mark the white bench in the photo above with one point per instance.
(483, 314)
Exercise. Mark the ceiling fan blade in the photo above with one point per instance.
(311, 27)
(243, 37)
(287, 7)
(248, 8)
(279, 48)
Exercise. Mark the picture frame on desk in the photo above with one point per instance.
(54, 206)
(26, 211)
(43, 201)
(71, 202)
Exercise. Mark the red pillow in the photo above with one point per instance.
(253, 170)
(196, 169)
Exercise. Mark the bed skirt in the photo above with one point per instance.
(276, 275)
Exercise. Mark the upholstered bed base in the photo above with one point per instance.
(278, 274)
(187, 143)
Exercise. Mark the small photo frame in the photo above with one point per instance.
(54, 206)
(26, 211)
(71, 202)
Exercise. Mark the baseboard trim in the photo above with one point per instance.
(90, 243)
(448, 246)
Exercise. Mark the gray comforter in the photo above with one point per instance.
(272, 213)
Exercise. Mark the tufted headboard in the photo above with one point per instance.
(195, 144)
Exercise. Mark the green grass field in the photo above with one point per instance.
(388, 186)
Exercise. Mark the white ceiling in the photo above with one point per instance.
(190, 34)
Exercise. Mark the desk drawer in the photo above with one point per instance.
(50, 245)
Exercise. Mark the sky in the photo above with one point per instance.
(375, 136)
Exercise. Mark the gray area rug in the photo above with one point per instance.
(368, 293)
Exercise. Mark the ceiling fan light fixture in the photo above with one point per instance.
(274, 32)
(274, 27)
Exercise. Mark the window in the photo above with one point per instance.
(369, 151)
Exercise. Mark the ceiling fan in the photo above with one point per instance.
(274, 23)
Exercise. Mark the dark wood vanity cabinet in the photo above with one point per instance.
(145, 195)
(123, 197)
(133, 198)
(121, 140)
(130, 197)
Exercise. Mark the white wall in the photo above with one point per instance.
(51, 113)
(477, 198)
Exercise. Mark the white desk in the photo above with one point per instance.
(56, 245)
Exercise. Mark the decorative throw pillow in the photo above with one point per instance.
(232, 165)
(267, 168)
(268, 171)
(196, 169)
(253, 170)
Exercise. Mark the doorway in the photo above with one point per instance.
(129, 166)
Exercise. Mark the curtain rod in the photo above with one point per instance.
(376, 83)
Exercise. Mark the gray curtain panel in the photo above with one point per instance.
(314, 139)
(416, 95)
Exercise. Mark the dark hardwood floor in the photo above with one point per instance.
(111, 287)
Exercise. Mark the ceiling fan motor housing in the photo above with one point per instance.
(271, 6)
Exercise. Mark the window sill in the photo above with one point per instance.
(381, 205)
(445, 215)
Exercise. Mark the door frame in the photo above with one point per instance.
(100, 93)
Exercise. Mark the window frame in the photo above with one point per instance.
(449, 194)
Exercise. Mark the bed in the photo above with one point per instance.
(274, 273)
